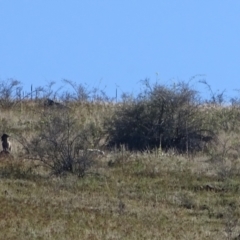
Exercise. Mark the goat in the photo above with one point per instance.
(6, 145)
(51, 103)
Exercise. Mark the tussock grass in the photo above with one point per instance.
(147, 198)
(123, 195)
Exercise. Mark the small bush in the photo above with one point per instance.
(57, 141)
(10, 93)
(161, 116)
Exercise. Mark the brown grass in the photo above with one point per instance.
(148, 198)
(124, 196)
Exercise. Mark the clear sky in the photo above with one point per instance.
(116, 43)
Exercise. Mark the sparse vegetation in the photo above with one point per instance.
(171, 168)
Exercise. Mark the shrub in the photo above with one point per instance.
(161, 116)
(56, 143)
(10, 93)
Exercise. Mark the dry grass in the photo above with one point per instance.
(124, 196)
(147, 198)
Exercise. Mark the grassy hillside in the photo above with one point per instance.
(139, 196)
(155, 193)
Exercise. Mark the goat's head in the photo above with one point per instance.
(5, 137)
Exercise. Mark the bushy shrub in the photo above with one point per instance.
(56, 143)
(161, 116)
(10, 93)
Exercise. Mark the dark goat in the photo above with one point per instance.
(6, 145)
(50, 103)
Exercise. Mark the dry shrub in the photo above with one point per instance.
(56, 142)
(161, 116)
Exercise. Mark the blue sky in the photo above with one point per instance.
(113, 44)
